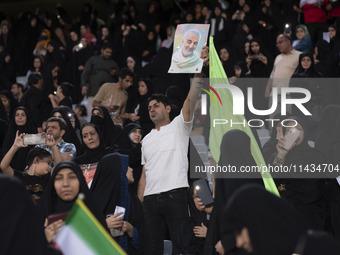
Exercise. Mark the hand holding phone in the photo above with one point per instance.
(203, 191)
(34, 139)
(290, 138)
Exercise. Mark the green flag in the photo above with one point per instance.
(82, 234)
(225, 111)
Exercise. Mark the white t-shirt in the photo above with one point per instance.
(164, 155)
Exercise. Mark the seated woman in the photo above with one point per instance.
(265, 224)
(303, 42)
(65, 184)
(304, 194)
(130, 226)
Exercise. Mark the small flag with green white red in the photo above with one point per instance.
(82, 234)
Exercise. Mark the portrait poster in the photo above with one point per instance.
(188, 43)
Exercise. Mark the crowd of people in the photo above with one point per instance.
(113, 124)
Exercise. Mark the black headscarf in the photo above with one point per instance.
(310, 72)
(54, 203)
(257, 67)
(28, 128)
(93, 155)
(12, 102)
(143, 112)
(304, 193)
(19, 159)
(235, 151)
(274, 227)
(302, 153)
(108, 129)
(228, 65)
(326, 64)
(19, 228)
(133, 150)
(106, 183)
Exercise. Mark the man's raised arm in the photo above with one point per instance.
(190, 101)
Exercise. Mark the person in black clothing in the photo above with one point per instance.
(304, 194)
(9, 102)
(129, 144)
(39, 161)
(19, 230)
(35, 102)
(265, 224)
(227, 61)
(110, 131)
(22, 121)
(66, 176)
(62, 96)
(319, 92)
(235, 151)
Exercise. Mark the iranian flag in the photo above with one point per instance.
(83, 234)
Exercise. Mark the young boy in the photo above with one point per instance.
(37, 174)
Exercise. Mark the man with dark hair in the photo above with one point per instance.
(113, 97)
(38, 161)
(62, 96)
(35, 101)
(17, 91)
(98, 70)
(56, 127)
(164, 181)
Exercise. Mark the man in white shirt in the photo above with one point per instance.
(164, 157)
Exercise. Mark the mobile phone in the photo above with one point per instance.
(279, 132)
(55, 217)
(291, 138)
(33, 139)
(70, 115)
(203, 191)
